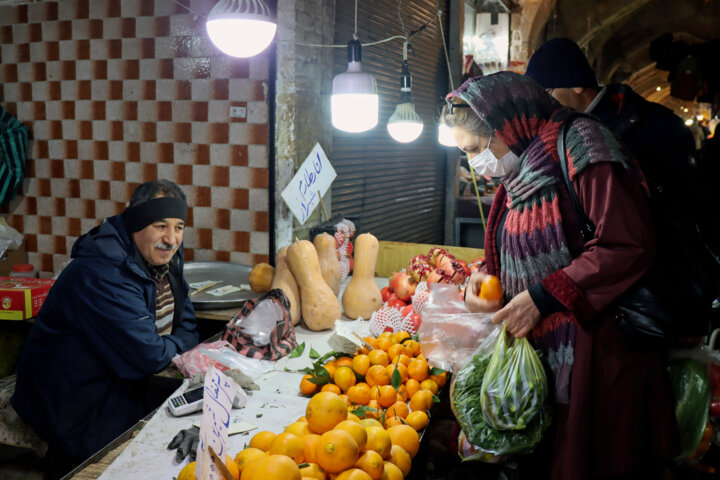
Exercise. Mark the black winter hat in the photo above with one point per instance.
(559, 63)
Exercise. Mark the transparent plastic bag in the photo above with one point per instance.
(465, 393)
(449, 333)
(514, 386)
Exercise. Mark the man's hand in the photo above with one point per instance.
(520, 315)
(186, 442)
(472, 299)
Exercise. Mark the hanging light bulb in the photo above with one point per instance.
(445, 136)
(405, 125)
(354, 101)
(241, 28)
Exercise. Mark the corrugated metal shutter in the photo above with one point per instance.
(397, 191)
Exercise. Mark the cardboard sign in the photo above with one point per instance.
(312, 180)
(217, 404)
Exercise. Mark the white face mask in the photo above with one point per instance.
(486, 163)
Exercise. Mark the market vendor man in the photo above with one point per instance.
(119, 312)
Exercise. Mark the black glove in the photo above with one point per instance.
(186, 442)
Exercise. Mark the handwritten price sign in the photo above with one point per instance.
(217, 403)
(302, 195)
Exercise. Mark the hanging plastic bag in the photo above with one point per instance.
(514, 386)
(465, 394)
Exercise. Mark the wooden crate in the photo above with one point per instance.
(394, 256)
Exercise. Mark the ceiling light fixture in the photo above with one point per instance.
(354, 101)
(241, 28)
(405, 125)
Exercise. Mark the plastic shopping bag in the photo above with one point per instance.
(449, 333)
(514, 386)
(466, 393)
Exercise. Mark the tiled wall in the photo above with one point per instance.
(116, 93)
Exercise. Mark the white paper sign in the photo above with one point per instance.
(313, 178)
(217, 404)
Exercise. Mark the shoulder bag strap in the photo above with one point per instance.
(587, 227)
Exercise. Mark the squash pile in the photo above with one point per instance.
(309, 274)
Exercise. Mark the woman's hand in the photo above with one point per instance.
(520, 315)
(472, 299)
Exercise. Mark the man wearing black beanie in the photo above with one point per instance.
(119, 312)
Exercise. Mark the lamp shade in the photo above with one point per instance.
(241, 28)
(445, 136)
(354, 101)
(405, 124)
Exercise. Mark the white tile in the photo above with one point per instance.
(258, 201)
(259, 243)
(240, 177)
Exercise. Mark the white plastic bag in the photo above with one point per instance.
(261, 322)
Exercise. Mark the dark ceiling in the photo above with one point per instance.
(617, 36)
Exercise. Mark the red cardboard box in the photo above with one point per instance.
(21, 298)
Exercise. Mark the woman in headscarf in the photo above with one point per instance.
(613, 414)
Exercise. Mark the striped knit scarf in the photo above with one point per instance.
(533, 241)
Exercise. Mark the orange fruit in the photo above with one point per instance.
(331, 387)
(330, 368)
(387, 396)
(378, 440)
(313, 470)
(402, 393)
(390, 421)
(354, 474)
(440, 379)
(401, 459)
(187, 472)
(232, 467)
(491, 288)
(417, 419)
(395, 351)
(401, 368)
(379, 357)
(399, 409)
(247, 455)
(412, 386)
(310, 442)
(324, 411)
(344, 378)
(391, 472)
(275, 466)
(376, 409)
(371, 341)
(343, 362)
(412, 347)
(377, 375)
(359, 394)
(418, 369)
(262, 440)
(301, 419)
(345, 399)
(306, 386)
(370, 422)
(421, 400)
(353, 417)
(249, 467)
(360, 364)
(383, 343)
(298, 428)
(356, 430)
(406, 437)
(429, 384)
(371, 463)
(404, 359)
(401, 335)
(289, 445)
(337, 451)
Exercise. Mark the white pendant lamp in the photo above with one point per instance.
(354, 101)
(445, 136)
(405, 125)
(241, 28)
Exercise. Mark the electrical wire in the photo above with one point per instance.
(189, 9)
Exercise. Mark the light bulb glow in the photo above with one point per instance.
(405, 125)
(354, 112)
(445, 136)
(241, 37)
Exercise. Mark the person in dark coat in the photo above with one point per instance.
(118, 313)
(613, 415)
(665, 149)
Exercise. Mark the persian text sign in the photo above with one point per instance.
(217, 403)
(313, 178)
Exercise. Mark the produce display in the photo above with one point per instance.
(362, 295)
(285, 281)
(260, 277)
(326, 247)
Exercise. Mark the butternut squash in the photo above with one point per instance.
(329, 263)
(362, 295)
(260, 277)
(320, 306)
(285, 281)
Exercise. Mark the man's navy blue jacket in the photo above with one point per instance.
(81, 376)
